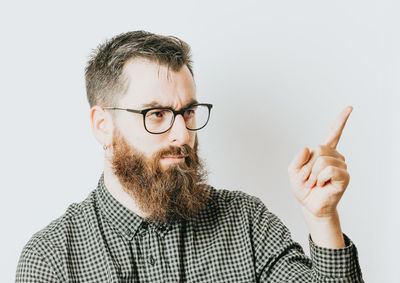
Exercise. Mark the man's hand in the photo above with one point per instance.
(319, 179)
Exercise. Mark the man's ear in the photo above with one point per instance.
(102, 125)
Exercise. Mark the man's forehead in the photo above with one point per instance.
(156, 103)
(148, 89)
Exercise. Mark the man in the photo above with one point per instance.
(153, 218)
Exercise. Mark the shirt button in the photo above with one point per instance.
(128, 232)
(152, 261)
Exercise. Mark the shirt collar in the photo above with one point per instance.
(125, 221)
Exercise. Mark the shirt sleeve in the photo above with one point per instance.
(280, 259)
(33, 268)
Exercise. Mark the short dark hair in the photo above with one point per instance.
(105, 83)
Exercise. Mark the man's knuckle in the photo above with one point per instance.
(322, 161)
(331, 169)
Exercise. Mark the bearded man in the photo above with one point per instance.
(153, 218)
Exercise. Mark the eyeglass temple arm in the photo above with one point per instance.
(126, 109)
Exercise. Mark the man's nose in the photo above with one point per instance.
(179, 134)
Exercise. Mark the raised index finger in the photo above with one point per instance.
(333, 136)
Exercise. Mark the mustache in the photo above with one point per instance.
(184, 150)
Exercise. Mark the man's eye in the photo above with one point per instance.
(190, 112)
(158, 114)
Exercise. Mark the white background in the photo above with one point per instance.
(278, 74)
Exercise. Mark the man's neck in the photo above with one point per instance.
(115, 188)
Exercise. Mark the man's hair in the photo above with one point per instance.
(105, 82)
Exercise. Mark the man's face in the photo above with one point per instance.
(152, 85)
(166, 189)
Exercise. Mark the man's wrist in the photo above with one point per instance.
(325, 231)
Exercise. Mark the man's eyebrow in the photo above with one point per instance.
(157, 104)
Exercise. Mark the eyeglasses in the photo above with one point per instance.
(160, 119)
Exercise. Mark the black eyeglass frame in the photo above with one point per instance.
(182, 112)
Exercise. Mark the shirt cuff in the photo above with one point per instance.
(336, 263)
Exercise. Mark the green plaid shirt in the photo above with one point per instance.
(235, 239)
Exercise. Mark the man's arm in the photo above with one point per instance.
(32, 267)
(280, 259)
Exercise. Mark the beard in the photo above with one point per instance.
(165, 195)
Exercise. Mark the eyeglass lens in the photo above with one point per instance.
(159, 120)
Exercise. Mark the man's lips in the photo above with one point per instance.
(174, 158)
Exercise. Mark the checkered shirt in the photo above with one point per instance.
(234, 239)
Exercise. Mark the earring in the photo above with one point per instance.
(105, 147)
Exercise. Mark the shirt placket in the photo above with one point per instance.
(150, 256)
